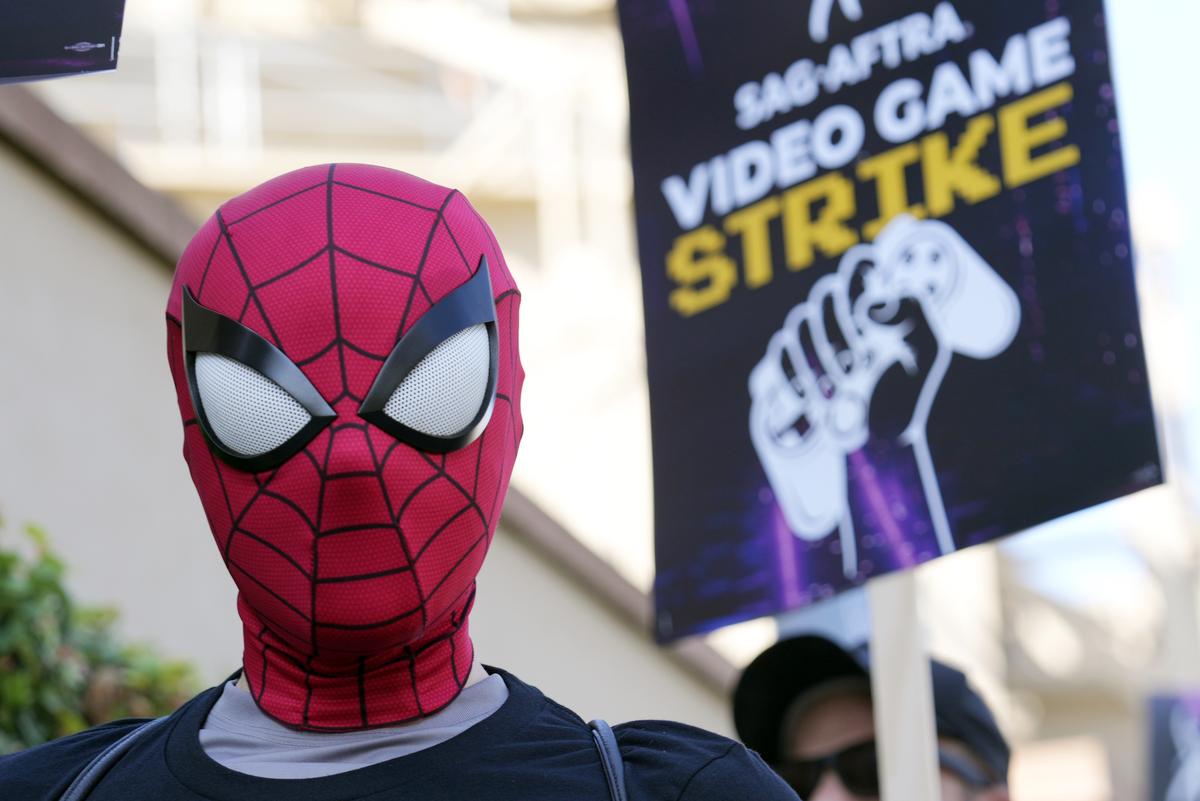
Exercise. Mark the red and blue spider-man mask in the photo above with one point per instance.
(343, 341)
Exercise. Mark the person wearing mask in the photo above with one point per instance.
(343, 346)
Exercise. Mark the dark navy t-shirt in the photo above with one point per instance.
(531, 749)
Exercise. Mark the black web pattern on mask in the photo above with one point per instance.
(505, 309)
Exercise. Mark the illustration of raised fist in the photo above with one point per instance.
(863, 356)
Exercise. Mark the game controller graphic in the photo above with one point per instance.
(889, 321)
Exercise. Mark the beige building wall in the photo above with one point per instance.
(532, 620)
(90, 436)
(90, 443)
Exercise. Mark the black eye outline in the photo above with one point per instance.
(206, 331)
(469, 305)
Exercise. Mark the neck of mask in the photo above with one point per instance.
(344, 691)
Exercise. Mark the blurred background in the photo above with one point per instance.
(521, 104)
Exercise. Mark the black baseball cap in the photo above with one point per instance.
(792, 667)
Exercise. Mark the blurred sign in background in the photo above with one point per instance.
(53, 38)
(522, 105)
(1175, 747)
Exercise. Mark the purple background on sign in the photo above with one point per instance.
(36, 38)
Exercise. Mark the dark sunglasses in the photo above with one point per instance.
(858, 769)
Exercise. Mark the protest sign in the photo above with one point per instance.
(888, 287)
(53, 38)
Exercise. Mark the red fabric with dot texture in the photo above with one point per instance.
(355, 560)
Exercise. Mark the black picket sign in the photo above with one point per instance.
(54, 38)
(888, 287)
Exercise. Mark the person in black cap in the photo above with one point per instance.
(804, 704)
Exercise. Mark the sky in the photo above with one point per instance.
(1077, 559)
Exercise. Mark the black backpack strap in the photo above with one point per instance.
(90, 776)
(610, 757)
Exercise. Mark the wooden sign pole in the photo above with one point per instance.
(902, 692)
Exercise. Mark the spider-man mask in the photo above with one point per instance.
(343, 341)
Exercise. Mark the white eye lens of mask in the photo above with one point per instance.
(249, 413)
(442, 395)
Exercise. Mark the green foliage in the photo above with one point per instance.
(62, 667)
